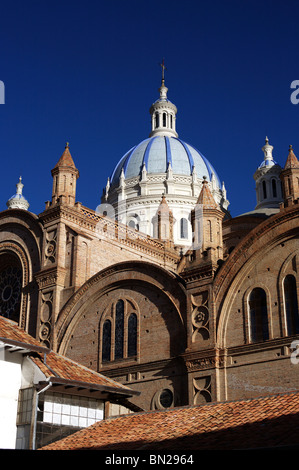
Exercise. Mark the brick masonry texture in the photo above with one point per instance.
(194, 340)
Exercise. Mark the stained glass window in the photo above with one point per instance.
(119, 334)
(132, 335)
(10, 292)
(106, 341)
(119, 330)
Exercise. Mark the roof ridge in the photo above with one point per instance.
(210, 404)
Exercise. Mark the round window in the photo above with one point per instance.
(166, 398)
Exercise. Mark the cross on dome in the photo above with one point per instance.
(163, 69)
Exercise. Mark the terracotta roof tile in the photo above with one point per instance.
(206, 198)
(292, 161)
(10, 330)
(66, 158)
(53, 364)
(270, 421)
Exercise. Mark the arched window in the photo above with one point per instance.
(10, 287)
(258, 315)
(157, 119)
(291, 304)
(183, 228)
(171, 121)
(132, 335)
(133, 224)
(274, 190)
(164, 119)
(119, 330)
(264, 189)
(106, 341)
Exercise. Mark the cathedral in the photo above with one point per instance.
(160, 288)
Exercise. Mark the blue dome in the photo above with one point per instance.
(156, 153)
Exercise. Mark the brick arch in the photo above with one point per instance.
(114, 277)
(12, 248)
(247, 253)
(29, 224)
(21, 236)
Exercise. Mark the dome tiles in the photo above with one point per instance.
(157, 153)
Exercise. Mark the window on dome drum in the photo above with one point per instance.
(264, 189)
(164, 119)
(171, 118)
(134, 224)
(119, 334)
(157, 119)
(291, 305)
(274, 190)
(183, 228)
(258, 315)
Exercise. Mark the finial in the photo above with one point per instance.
(290, 148)
(163, 69)
(20, 186)
(267, 140)
(67, 145)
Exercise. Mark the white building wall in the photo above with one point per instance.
(10, 383)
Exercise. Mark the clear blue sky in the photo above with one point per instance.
(87, 72)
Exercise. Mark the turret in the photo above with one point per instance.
(290, 178)
(65, 175)
(206, 220)
(163, 222)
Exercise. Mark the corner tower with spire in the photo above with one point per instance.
(65, 175)
(290, 178)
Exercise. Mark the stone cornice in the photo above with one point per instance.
(127, 366)
(50, 277)
(204, 359)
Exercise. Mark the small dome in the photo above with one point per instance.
(17, 201)
(156, 153)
